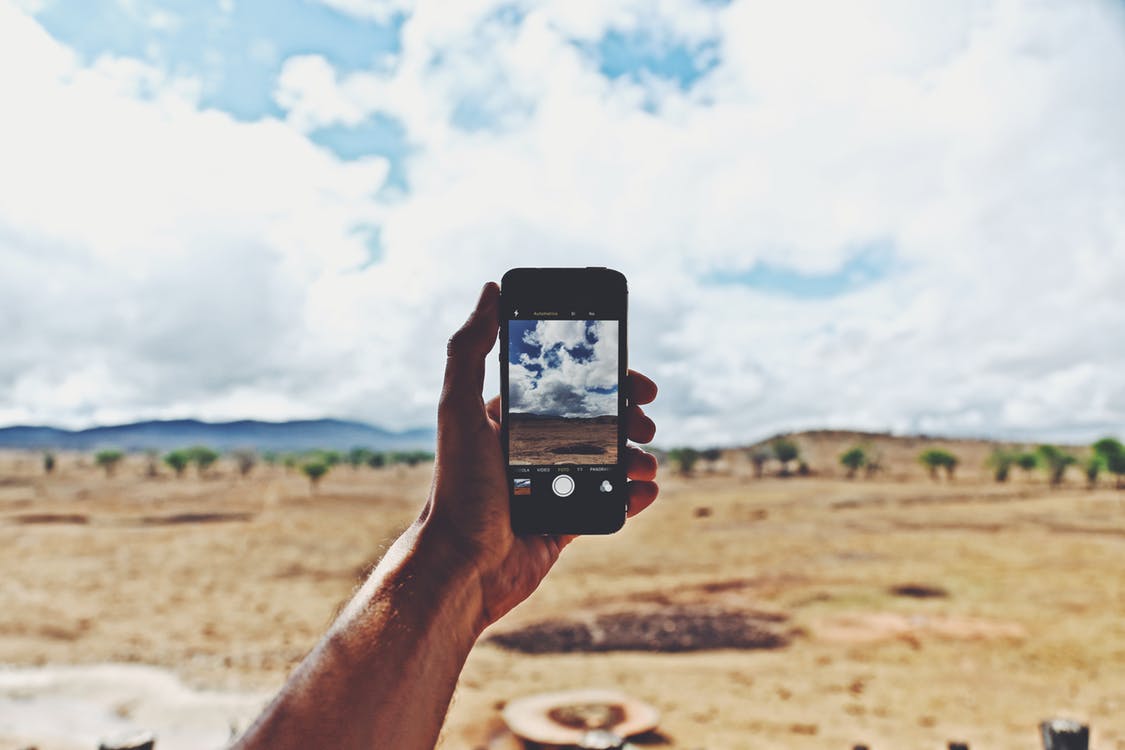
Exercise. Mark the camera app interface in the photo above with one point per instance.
(562, 405)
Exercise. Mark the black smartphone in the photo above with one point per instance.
(563, 371)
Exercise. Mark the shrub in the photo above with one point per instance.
(359, 457)
(939, 458)
(315, 471)
(1093, 467)
(684, 459)
(203, 457)
(177, 460)
(1027, 461)
(245, 459)
(48, 462)
(785, 450)
(853, 460)
(1112, 453)
(1055, 461)
(377, 460)
(760, 457)
(1001, 462)
(108, 460)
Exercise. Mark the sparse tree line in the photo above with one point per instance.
(782, 453)
(314, 464)
(1106, 456)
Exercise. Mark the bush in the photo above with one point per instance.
(785, 450)
(315, 471)
(1001, 462)
(359, 457)
(1055, 461)
(377, 460)
(759, 457)
(178, 460)
(1028, 462)
(48, 462)
(938, 458)
(853, 460)
(203, 457)
(684, 459)
(246, 460)
(108, 460)
(1112, 454)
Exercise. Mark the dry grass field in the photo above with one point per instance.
(228, 582)
(558, 440)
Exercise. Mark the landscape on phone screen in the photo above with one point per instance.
(562, 391)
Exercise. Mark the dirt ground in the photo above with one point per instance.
(545, 440)
(920, 612)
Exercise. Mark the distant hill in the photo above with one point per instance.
(168, 434)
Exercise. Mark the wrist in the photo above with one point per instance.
(448, 578)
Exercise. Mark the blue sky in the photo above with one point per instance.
(830, 215)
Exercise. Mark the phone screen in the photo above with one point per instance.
(563, 410)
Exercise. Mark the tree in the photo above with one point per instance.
(1112, 453)
(1001, 463)
(177, 461)
(315, 471)
(785, 450)
(853, 460)
(272, 458)
(938, 458)
(1027, 461)
(48, 462)
(711, 456)
(377, 460)
(245, 459)
(203, 457)
(760, 457)
(684, 458)
(1093, 467)
(1055, 461)
(108, 460)
(359, 456)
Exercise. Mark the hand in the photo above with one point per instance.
(467, 512)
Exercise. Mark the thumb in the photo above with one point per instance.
(465, 353)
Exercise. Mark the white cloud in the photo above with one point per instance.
(975, 138)
(574, 374)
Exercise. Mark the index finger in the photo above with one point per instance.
(641, 389)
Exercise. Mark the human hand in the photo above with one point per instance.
(467, 513)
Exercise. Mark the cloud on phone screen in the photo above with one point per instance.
(564, 368)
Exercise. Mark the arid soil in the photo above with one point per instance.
(558, 440)
(907, 612)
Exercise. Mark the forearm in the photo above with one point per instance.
(384, 674)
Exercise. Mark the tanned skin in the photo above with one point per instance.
(383, 674)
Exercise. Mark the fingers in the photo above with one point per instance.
(640, 428)
(639, 465)
(641, 389)
(641, 495)
(464, 364)
(492, 409)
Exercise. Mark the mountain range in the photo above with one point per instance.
(298, 435)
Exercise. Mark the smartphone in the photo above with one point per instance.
(563, 364)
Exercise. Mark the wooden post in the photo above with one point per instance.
(1065, 734)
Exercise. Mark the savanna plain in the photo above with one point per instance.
(909, 611)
